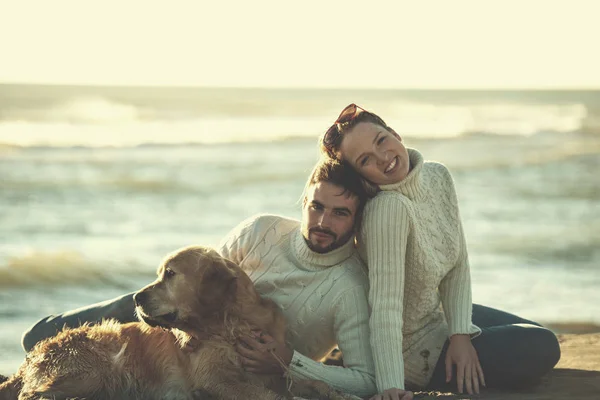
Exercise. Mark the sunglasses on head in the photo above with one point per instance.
(348, 114)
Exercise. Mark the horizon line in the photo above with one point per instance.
(282, 87)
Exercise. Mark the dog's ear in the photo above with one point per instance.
(233, 267)
(225, 274)
(217, 288)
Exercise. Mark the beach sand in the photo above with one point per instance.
(576, 377)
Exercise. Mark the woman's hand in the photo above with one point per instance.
(262, 354)
(393, 394)
(468, 370)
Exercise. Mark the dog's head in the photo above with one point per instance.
(193, 283)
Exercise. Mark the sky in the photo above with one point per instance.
(311, 43)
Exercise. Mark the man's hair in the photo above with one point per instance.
(341, 174)
(331, 147)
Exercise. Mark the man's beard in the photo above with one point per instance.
(335, 244)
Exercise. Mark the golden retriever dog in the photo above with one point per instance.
(193, 315)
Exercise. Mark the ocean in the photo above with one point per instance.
(98, 184)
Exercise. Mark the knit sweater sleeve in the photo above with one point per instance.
(240, 240)
(386, 227)
(351, 325)
(455, 288)
(455, 292)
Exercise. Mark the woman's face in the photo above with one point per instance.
(376, 153)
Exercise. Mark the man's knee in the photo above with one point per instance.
(37, 332)
(121, 308)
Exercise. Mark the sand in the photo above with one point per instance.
(576, 377)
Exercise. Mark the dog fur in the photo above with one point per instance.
(193, 315)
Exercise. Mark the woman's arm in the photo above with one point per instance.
(455, 292)
(386, 226)
(455, 287)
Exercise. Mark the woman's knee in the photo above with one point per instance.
(517, 355)
(548, 348)
(541, 350)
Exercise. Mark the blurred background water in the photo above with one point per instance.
(97, 184)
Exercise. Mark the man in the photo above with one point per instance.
(310, 268)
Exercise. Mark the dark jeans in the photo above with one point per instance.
(513, 351)
(121, 308)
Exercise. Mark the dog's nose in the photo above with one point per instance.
(140, 297)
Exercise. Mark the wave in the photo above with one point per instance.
(66, 268)
(98, 121)
(450, 120)
(96, 140)
(182, 132)
(483, 151)
(131, 184)
(79, 110)
(575, 245)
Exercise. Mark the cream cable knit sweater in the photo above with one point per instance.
(413, 243)
(323, 297)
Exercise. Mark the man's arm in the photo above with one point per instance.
(121, 308)
(351, 325)
(240, 240)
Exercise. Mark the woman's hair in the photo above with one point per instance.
(331, 140)
(341, 174)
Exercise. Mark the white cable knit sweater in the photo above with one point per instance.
(323, 297)
(413, 243)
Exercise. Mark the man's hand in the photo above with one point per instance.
(468, 369)
(262, 354)
(393, 394)
(190, 345)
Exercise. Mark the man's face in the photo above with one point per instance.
(328, 217)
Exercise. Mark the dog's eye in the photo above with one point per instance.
(169, 273)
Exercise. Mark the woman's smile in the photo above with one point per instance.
(392, 166)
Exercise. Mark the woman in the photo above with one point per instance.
(424, 329)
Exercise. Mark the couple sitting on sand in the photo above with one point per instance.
(378, 266)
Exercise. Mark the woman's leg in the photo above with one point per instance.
(485, 317)
(511, 355)
(121, 308)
